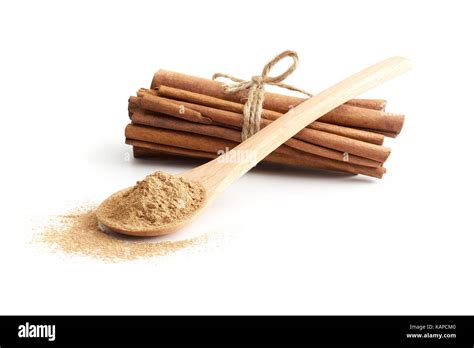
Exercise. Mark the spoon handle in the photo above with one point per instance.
(279, 131)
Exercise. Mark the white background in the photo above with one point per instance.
(299, 242)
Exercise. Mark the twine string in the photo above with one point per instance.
(256, 90)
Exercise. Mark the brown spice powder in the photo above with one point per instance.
(78, 233)
(157, 200)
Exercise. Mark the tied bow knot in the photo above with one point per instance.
(253, 107)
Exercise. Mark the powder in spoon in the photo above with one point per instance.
(157, 200)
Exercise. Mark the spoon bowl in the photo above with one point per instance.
(160, 230)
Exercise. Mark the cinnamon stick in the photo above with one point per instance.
(283, 154)
(376, 104)
(153, 103)
(353, 116)
(281, 103)
(344, 115)
(166, 149)
(273, 101)
(387, 134)
(143, 149)
(201, 99)
(145, 118)
(141, 152)
(332, 141)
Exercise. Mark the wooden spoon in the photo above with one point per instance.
(217, 175)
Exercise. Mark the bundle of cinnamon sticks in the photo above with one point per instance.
(194, 117)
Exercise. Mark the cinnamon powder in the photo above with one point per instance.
(157, 200)
(77, 233)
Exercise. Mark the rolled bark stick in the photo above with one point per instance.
(332, 141)
(141, 152)
(161, 121)
(387, 134)
(143, 149)
(344, 115)
(201, 99)
(273, 101)
(353, 133)
(185, 139)
(157, 104)
(278, 102)
(166, 149)
(147, 149)
(376, 104)
(213, 145)
(353, 116)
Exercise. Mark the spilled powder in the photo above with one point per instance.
(157, 200)
(77, 233)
